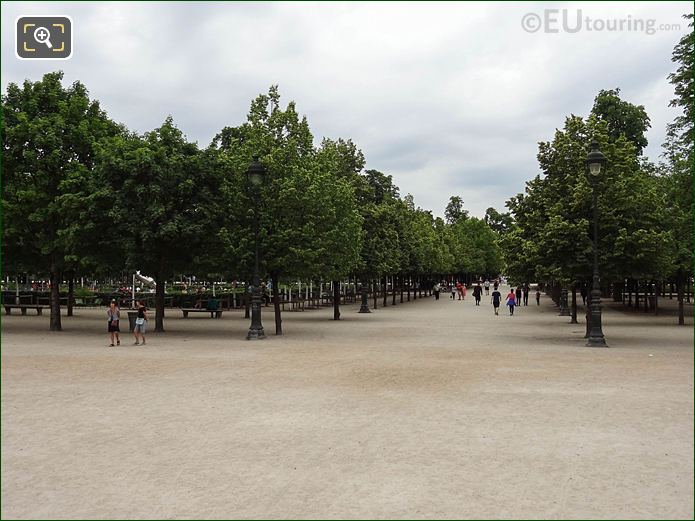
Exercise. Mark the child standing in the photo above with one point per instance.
(114, 314)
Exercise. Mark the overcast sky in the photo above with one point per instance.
(447, 98)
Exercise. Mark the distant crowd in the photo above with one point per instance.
(515, 297)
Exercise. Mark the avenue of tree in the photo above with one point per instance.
(83, 195)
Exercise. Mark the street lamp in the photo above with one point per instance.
(256, 175)
(595, 162)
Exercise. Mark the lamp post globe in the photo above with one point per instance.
(256, 173)
(595, 163)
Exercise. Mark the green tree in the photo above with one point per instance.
(554, 216)
(622, 118)
(454, 210)
(49, 136)
(500, 222)
(310, 226)
(162, 191)
(678, 151)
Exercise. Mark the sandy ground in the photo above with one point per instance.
(423, 410)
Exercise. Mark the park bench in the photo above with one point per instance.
(214, 313)
(23, 308)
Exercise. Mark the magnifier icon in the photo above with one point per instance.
(42, 35)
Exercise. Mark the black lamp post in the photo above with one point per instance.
(256, 175)
(595, 161)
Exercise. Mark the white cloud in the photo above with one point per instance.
(448, 98)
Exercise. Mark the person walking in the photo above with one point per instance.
(496, 299)
(585, 293)
(452, 289)
(464, 289)
(114, 314)
(518, 296)
(437, 289)
(459, 289)
(511, 302)
(526, 289)
(538, 297)
(477, 293)
(487, 287)
(140, 324)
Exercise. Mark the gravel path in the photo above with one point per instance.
(423, 410)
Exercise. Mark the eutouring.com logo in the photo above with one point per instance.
(574, 21)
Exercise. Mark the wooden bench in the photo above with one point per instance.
(214, 313)
(23, 307)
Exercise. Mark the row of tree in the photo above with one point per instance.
(83, 195)
(645, 209)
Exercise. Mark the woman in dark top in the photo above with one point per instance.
(496, 299)
(140, 324)
(518, 295)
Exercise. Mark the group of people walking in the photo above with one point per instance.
(516, 297)
(114, 318)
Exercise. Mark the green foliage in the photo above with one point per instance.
(49, 136)
(677, 180)
(681, 130)
(475, 247)
(161, 194)
(310, 226)
(622, 118)
(454, 210)
(498, 222)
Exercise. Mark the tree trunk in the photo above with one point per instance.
(588, 315)
(374, 294)
(679, 292)
(55, 324)
(336, 300)
(687, 290)
(276, 302)
(410, 280)
(393, 291)
(617, 292)
(400, 287)
(386, 292)
(574, 305)
(657, 287)
(159, 305)
(71, 292)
